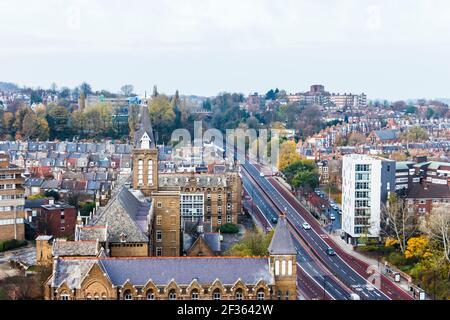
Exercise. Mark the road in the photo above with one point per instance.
(348, 270)
(314, 278)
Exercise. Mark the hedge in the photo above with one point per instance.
(229, 228)
(11, 244)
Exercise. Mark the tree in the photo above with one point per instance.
(396, 222)
(58, 121)
(254, 243)
(416, 134)
(437, 227)
(162, 116)
(418, 247)
(86, 88)
(288, 154)
(356, 138)
(30, 126)
(127, 90)
(155, 91)
(64, 93)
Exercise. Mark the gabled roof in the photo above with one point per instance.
(145, 128)
(124, 214)
(75, 248)
(282, 243)
(162, 271)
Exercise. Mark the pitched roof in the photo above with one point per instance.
(124, 214)
(145, 127)
(91, 233)
(432, 191)
(282, 241)
(163, 270)
(75, 248)
(386, 134)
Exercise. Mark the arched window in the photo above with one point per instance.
(64, 296)
(239, 294)
(277, 267)
(287, 295)
(127, 295)
(216, 294)
(150, 295)
(290, 268)
(260, 295)
(88, 297)
(104, 297)
(194, 294)
(96, 296)
(283, 267)
(279, 294)
(172, 294)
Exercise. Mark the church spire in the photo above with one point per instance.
(282, 243)
(143, 138)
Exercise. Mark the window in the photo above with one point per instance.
(127, 295)
(172, 295)
(194, 294)
(279, 293)
(64, 296)
(260, 295)
(239, 294)
(63, 229)
(89, 297)
(159, 252)
(150, 295)
(287, 295)
(216, 294)
(283, 267)
(277, 268)
(219, 221)
(229, 219)
(159, 205)
(158, 220)
(96, 296)
(158, 236)
(290, 268)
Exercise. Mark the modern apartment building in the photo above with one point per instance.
(366, 184)
(12, 200)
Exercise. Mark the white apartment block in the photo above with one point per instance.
(366, 184)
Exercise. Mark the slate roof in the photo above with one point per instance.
(145, 127)
(124, 214)
(386, 135)
(282, 240)
(433, 191)
(139, 271)
(62, 248)
(91, 233)
(213, 241)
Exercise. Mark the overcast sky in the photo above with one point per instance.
(394, 49)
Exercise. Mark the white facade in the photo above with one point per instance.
(366, 183)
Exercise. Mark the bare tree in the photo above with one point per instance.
(437, 227)
(397, 222)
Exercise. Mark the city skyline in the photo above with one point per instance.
(203, 48)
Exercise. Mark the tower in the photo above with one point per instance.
(283, 262)
(145, 157)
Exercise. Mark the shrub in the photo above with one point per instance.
(11, 244)
(229, 228)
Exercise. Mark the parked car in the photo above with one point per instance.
(274, 220)
(306, 226)
(332, 217)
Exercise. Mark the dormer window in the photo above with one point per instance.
(123, 237)
(145, 141)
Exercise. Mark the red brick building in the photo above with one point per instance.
(57, 219)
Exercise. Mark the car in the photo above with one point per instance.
(306, 226)
(340, 211)
(274, 220)
(261, 174)
(332, 217)
(331, 252)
